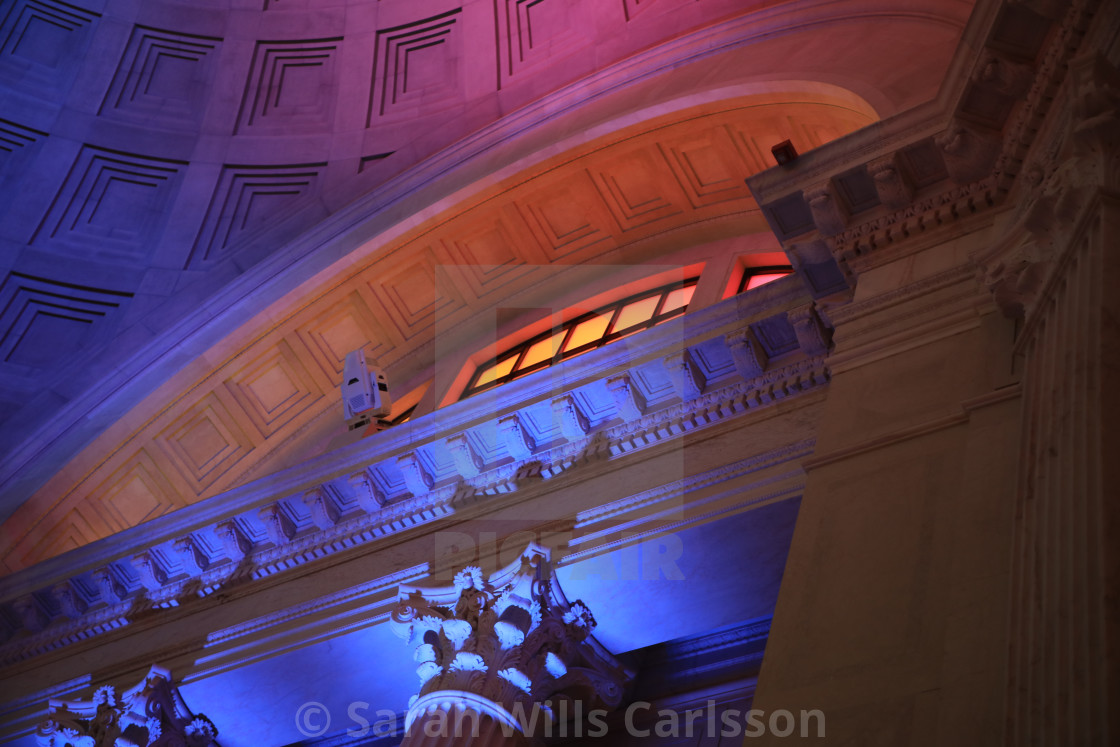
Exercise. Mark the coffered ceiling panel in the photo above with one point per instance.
(205, 208)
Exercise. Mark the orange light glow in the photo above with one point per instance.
(542, 350)
(587, 331)
(635, 313)
(759, 280)
(678, 298)
(497, 371)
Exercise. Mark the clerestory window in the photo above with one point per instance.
(584, 333)
(756, 276)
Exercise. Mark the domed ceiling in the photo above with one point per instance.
(206, 205)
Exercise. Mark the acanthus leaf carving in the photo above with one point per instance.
(152, 574)
(70, 600)
(324, 509)
(109, 585)
(150, 714)
(195, 560)
(812, 334)
(505, 640)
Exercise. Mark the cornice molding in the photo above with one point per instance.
(937, 177)
(261, 553)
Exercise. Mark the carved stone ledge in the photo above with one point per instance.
(1082, 155)
(291, 545)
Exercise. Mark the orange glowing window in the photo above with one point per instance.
(587, 331)
(635, 313)
(756, 277)
(677, 299)
(584, 333)
(495, 371)
(542, 350)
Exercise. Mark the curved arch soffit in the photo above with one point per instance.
(631, 191)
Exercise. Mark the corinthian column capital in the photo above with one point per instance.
(508, 649)
(150, 713)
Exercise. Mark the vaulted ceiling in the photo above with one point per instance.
(205, 207)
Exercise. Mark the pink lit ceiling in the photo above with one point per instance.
(205, 207)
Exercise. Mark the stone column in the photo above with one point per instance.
(1064, 264)
(503, 660)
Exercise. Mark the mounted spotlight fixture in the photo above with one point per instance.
(784, 152)
(365, 392)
